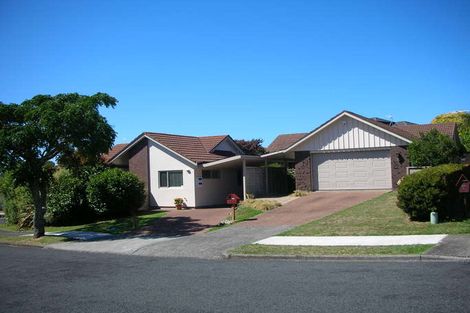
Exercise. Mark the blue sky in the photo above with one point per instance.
(244, 68)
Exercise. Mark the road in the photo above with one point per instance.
(44, 280)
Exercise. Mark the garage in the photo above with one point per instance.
(351, 170)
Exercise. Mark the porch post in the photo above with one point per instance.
(244, 179)
(266, 173)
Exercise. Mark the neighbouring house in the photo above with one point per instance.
(201, 170)
(350, 151)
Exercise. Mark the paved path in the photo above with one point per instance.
(352, 240)
(453, 246)
(214, 244)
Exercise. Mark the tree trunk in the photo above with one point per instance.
(39, 199)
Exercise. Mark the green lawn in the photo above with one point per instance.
(378, 216)
(316, 251)
(114, 226)
(30, 241)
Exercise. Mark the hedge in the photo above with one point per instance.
(67, 203)
(433, 189)
(115, 193)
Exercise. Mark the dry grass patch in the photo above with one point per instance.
(263, 205)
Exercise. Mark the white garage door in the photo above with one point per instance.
(352, 170)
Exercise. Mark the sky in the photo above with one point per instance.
(251, 69)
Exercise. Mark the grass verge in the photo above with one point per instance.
(337, 251)
(30, 241)
(243, 213)
(113, 226)
(378, 216)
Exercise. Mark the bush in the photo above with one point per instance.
(17, 202)
(432, 189)
(432, 149)
(115, 193)
(67, 203)
(264, 205)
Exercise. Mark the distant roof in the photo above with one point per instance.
(114, 150)
(284, 141)
(196, 149)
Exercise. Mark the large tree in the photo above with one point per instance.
(462, 119)
(51, 128)
(433, 148)
(252, 146)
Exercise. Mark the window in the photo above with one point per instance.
(171, 178)
(210, 174)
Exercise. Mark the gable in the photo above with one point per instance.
(228, 145)
(349, 133)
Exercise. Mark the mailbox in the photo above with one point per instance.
(463, 184)
(233, 199)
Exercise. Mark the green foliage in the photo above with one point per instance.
(432, 189)
(115, 192)
(464, 135)
(433, 148)
(18, 203)
(462, 119)
(67, 203)
(66, 127)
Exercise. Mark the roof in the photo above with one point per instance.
(284, 141)
(114, 150)
(448, 129)
(195, 149)
(407, 131)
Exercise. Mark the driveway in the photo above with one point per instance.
(211, 245)
(311, 207)
(187, 222)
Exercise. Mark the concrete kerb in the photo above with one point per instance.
(348, 258)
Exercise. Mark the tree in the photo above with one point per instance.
(462, 119)
(433, 148)
(51, 128)
(252, 147)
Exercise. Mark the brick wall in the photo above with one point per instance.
(303, 171)
(400, 161)
(139, 165)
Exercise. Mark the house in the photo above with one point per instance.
(350, 151)
(347, 152)
(201, 170)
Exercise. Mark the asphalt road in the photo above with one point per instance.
(44, 280)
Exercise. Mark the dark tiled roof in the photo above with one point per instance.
(196, 149)
(448, 129)
(284, 141)
(114, 150)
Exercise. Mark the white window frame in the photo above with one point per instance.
(168, 179)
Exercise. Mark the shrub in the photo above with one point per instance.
(432, 189)
(300, 193)
(264, 205)
(433, 148)
(17, 202)
(114, 193)
(67, 203)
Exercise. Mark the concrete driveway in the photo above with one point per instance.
(211, 245)
(313, 206)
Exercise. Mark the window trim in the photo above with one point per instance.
(167, 172)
